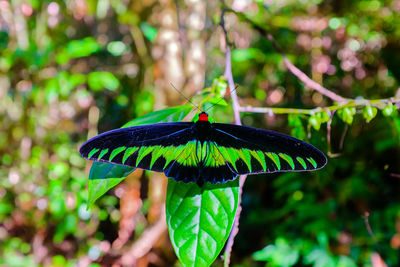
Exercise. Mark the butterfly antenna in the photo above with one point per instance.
(188, 100)
(221, 98)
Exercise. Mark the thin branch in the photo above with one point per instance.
(289, 65)
(235, 103)
(329, 137)
(235, 226)
(396, 175)
(228, 72)
(231, 84)
(182, 30)
(146, 241)
(376, 259)
(346, 128)
(379, 103)
(368, 226)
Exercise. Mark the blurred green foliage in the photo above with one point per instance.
(69, 68)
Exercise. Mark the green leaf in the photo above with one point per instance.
(315, 121)
(241, 55)
(116, 48)
(103, 177)
(77, 49)
(165, 115)
(199, 219)
(369, 113)
(219, 87)
(324, 117)
(320, 257)
(217, 101)
(280, 254)
(98, 80)
(347, 114)
(389, 110)
(298, 130)
(346, 261)
(148, 31)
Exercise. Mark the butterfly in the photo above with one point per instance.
(202, 151)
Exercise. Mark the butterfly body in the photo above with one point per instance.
(202, 151)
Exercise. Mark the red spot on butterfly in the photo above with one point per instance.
(203, 116)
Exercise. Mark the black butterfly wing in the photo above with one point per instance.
(150, 147)
(228, 150)
(250, 150)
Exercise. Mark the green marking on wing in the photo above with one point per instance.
(171, 153)
(198, 150)
(102, 153)
(143, 152)
(274, 157)
(116, 151)
(302, 162)
(229, 155)
(213, 157)
(157, 152)
(189, 156)
(92, 152)
(128, 152)
(259, 156)
(312, 161)
(288, 159)
(246, 157)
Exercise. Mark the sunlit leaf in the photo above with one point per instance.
(389, 110)
(319, 257)
(78, 49)
(217, 101)
(219, 87)
(347, 114)
(116, 48)
(346, 261)
(298, 130)
(99, 80)
(369, 113)
(279, 254)
(199, 220)
(165, 115)
(148, 31)
(324, 116)
(103, 177)
(315, 121)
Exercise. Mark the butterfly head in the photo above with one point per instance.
(203, 116)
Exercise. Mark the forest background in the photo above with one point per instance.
(72, 69)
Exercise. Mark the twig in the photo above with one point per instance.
(368, 226)
(146, 241)
(235, 226)
(235, 104)
(329, 137)
(376, 259)
(228, 73)
(346, 128)
(396, 175)
(181, 29)
(380, 103)
(292, 68)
